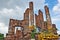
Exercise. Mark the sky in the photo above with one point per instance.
(16, 8)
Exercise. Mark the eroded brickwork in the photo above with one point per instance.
(24, 33)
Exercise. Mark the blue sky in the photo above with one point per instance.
(51, 3)
(16, 8)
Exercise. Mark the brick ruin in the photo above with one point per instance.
(24, 33)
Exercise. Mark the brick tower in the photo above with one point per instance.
(41, 19)
(48, 18)
(31, 14)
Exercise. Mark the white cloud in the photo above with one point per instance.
(58, 1)
(3, 28)
(58, 32)
(56, 19)
(12, 13)
(56, 8)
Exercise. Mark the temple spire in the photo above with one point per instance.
(48, 18)
(31, 5)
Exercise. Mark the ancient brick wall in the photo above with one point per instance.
(25, 34)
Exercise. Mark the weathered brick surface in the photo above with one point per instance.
(24, 34)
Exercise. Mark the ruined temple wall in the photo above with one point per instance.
(26, 14)
(25, 23)
(40, 19)
(14, 23)
(45, 25)
(54, 28)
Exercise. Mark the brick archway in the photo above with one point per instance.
(14, 23)
(19, 35)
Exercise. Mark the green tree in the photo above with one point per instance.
(1, 36)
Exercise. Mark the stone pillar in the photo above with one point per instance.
(48, 18)
(11, 27)
(31, 14)
(41, 19)
(31, 5)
